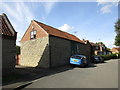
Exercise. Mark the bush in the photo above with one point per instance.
(17, 49)
(118, 55)
(110, 56)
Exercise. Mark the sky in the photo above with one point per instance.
(93, 21)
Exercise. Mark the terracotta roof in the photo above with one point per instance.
(116, 48)
(55, 32)
(6, 29)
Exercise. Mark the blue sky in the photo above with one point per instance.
(93, 21)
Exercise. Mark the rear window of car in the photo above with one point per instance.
(77, 57)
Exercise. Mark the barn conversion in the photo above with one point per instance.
(45, 46)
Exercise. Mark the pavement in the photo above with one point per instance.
(104, 75)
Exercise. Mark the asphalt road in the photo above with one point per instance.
(104, 75)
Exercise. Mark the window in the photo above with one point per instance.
(33, 34)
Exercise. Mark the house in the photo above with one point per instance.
(100, 49)
(115, 50)
(96, 48)
(45, 46)
(8, 38)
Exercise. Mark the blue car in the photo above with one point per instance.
(79, 60)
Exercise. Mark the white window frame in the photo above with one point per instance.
(33, 34)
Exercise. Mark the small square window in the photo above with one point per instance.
(33, 34)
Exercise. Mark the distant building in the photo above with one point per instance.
(8, 36)
(100, 49)
(45, 46)
(115, 50)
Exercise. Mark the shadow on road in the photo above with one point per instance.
(91, 65)
(25, 74)
(28, 74)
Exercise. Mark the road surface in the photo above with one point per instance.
(104, 75)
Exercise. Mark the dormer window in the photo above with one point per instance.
(33, 34)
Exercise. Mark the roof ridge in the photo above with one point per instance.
(52, 27)
(56, 32)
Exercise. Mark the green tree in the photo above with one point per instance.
(117, 27)
(117, 30)
(17, 49)
(100, 43)
(108, 49)
(117, 40)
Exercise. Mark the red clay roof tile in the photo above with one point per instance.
(4, 28)
(55, 32)
(116, 48)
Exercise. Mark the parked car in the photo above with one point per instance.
(98, 59)
(79, 60)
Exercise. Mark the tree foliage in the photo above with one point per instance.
(117, 30)
(117, 27)
(117, 40)
(100, 43)
(17, 49)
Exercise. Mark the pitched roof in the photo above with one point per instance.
(5, 26)
(116, 48)
(55, 32)
(94, 44)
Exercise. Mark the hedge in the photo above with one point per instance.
(110, 56)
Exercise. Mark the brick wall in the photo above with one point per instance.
(18, 56)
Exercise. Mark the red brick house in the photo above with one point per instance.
(100, 49)
(8, 41)
(45, 46)
(116, 50)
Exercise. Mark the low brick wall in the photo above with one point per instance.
(18, 57)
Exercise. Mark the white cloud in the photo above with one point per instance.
(102, 2)
(48, 6)
(106, 1)
(21, 16)
(66, 27)
(20, 12)
(106, 9)
(109, 44)
(106, 5)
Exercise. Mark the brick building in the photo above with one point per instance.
(100, 49)
(8, 38)
(115, 50)
(45, 46)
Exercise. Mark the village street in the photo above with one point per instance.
(104, 75)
